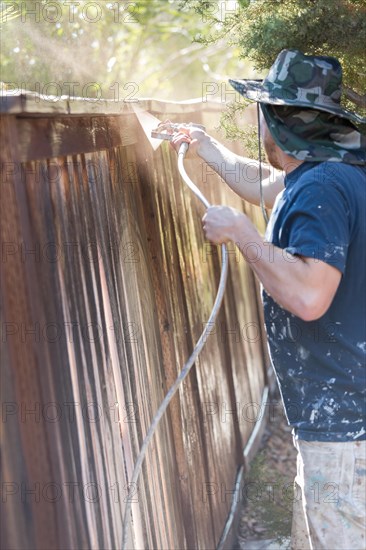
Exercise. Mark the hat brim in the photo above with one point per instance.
(254, 91)
(312, 135)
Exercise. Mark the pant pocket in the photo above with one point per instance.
(359, 482)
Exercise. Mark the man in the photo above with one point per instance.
(313, 279)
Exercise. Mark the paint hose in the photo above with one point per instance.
(197, 350)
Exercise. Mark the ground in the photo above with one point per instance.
(265, 521)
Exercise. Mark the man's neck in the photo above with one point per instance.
(289, 163)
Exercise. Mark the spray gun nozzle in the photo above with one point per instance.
(166, 130)
(161, 135)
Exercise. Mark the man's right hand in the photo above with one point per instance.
(240, 173)
(189, 134)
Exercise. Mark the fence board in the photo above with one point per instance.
(107, 282)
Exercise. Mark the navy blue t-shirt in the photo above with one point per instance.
(320, 365)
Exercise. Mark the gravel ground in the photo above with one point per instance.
(267, 497)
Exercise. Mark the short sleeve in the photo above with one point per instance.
(317, 225)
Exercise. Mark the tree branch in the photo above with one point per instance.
(356, 98)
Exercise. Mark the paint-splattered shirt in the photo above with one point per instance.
(321, 365)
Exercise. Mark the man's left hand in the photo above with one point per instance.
(223, 223)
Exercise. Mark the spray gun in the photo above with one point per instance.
(166, 130)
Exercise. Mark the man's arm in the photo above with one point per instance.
(240, 173)
(303, 286)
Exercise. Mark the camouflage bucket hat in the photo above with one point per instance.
(315, 136)
(313, 83)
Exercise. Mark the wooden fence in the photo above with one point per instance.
(107, 282)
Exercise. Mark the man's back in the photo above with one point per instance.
(321, 364)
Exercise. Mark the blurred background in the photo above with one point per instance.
(171, 49)
(174, 49)
(119, 50)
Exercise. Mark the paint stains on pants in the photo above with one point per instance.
(330, 496)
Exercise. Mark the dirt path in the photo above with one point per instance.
(268, 493)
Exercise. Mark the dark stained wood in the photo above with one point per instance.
(117, 293)
(48, 137)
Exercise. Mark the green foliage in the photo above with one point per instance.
(262, 28)
(233, 130)
(274, 506)
(134, 49)
(168, 48)
(322, 27)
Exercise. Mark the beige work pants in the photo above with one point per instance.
(330, 496)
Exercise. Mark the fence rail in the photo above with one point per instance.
(107, 282)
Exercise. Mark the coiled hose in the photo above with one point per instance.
(197, 350)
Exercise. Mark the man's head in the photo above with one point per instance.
(300, 100)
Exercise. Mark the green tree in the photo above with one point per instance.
(262, 28)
